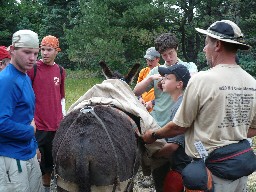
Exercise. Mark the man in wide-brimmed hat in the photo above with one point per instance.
(218, 111)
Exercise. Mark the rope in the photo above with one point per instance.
(91, 110)
(54, 168)
(134, 127)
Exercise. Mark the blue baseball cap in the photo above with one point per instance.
(179, 70)
(197, 177)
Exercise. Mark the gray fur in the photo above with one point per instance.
(82, 151)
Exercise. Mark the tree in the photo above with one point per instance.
(52, 17)
(119, 31)
(204, 14)
(8, 17)
(113, 30)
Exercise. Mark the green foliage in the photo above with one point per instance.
(49, 18)
(201, 62)
(247, 62)
(29, 12)
(8, 18)
(119, 31)
(96, 36)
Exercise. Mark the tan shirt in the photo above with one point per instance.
(218, 107)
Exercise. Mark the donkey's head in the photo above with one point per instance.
(116, 75)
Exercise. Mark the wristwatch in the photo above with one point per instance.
(155, 136)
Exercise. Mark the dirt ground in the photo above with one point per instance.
(252, 183)
(145, 183)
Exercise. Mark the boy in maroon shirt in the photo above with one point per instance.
(48, 81)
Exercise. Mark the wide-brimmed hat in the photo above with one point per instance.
(227, 31)
(151, 53)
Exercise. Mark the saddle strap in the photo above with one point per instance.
(91, 110)
(67, 185)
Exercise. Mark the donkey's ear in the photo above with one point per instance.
(106, 71)
(130, 75)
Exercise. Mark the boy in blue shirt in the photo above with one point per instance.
(19, 167)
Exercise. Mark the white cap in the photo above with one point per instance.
(25, 38)
(151, 53)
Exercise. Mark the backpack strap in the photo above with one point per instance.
(61, 69)
(35, 69)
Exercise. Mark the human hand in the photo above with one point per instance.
(149, 105)
(147, 137)
(156, 77)
(34, 125)
(38, 154)
(142, 101)
(159, 85)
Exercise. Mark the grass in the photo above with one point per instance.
(77, 83)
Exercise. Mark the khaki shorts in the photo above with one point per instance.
(223, 185)
(28, 180)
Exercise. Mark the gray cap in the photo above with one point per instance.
(151, 53)
(25, 38)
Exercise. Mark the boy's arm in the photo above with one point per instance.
(143, 86)
(167, 150)
(252, 129)
(62, 92)
(169, 130)
(251, 132)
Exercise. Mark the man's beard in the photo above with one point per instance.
(209, 63)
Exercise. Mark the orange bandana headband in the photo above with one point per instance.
(51, 41)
